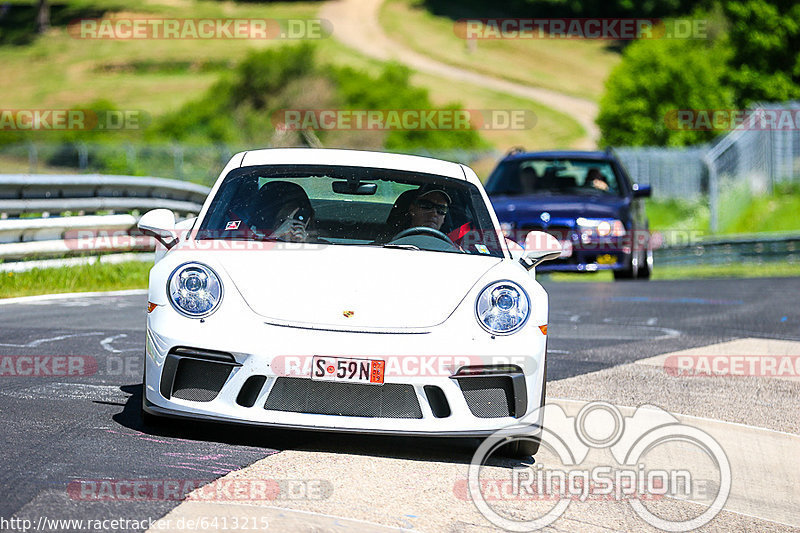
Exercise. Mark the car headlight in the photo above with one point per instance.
(194, 290)
(502, 308)
(602, 227)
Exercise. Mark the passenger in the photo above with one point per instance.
(282, 212)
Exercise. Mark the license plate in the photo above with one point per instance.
(566, 249)
(606, 259)
(348, 369)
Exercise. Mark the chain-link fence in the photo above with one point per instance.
(754, 159)
(671, 172)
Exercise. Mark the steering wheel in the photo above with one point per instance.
(424, 230)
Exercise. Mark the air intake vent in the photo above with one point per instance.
(299, 395)
(250, 391)
(488, 397)
(199, 381)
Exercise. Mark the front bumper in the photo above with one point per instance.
(238, 400)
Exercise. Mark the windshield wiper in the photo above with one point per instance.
(401, 246)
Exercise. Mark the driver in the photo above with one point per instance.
(425, 207)
(429, 209)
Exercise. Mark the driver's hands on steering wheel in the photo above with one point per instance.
(425, 230)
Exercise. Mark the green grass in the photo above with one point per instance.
(572, 66)
(82, 76)
(739, 213)
(83, 278)
(770, 213)
(552, 129)
(740, 270)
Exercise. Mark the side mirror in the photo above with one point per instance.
(160, 223)
(539, 247)
(641, 191)
(515, 249)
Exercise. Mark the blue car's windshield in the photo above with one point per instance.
(553, 176)
(351, 206)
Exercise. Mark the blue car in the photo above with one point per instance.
(585, 199)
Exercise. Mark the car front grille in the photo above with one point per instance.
(199, 381)
(300, 395)
(488, 397)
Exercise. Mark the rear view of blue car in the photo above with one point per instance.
(585, 199)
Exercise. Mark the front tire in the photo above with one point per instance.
(522, 448)
(631, 270)
(526, 446)
(646, 266)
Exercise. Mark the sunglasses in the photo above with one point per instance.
(441, 209)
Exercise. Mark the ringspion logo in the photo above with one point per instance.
(637, 464)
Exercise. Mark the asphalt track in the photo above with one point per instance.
(58, 430)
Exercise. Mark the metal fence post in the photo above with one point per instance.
(33, 157)
(83, 155)
(713, 192)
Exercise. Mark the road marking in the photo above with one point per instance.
(106, 344)
(37, 342)
(68, 391)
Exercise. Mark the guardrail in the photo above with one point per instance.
(780, 247)
(46, 235)
(90, 193)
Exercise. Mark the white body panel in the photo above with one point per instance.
(406, 304)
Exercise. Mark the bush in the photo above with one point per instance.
(239, 108)
(657, 77)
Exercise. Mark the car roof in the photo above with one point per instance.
(561, 154)
(353, 158)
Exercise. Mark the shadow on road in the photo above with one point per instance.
(446, 450)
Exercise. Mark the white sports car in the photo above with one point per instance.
(346, 291)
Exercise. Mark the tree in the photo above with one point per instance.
(654, 80)
(764, 36)
(43, 16)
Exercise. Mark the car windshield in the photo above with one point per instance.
(342, 205)
(553, 176)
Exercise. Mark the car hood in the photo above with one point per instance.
(522, 208)
(379, 288)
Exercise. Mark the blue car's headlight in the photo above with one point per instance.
(601, 227)
(502, 308)
(194, 290)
